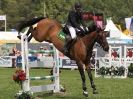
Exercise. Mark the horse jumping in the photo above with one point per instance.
(47, 29)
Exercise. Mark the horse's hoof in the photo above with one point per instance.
(62, 89)
(95, 92)
(85, 93)
(66, 52)
(19, 37)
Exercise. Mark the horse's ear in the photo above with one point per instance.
(103, 27)
(98, 29)
(107, 33)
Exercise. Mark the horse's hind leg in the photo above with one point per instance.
(81, 70)
(88, 67)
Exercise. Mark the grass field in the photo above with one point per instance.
(107, 88)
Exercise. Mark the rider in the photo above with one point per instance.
(74, 24)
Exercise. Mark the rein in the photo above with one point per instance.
(91, 45)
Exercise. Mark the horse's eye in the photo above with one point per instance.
(107, 34)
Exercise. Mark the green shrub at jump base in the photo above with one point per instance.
(130, 70)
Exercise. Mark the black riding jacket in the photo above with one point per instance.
(74, 20)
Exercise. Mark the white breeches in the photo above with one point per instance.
(72, 32)
(86, 28)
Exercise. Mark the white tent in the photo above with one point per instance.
(11, 37)
(114, 31)
(8, 36)
(115, 34)
(123, 36)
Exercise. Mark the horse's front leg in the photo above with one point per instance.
(88, 67)
(81, 71)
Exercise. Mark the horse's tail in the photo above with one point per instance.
(24, 24)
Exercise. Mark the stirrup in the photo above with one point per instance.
(65, 50)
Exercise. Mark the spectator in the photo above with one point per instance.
(14, 52)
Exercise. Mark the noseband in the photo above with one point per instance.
(100, 41)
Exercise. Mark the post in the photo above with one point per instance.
(125, 60)
(25, 63)
(110, 59)
(56, 70)
(44, 7)
(96, 59)
(5, 23)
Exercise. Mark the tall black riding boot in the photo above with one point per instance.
(19, 36)
(67, 44)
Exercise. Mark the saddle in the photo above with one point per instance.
(67, 32)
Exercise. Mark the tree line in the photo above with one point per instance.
(18, 10)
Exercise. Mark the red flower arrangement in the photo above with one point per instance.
(19, 76)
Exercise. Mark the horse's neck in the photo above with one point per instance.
(89, 40)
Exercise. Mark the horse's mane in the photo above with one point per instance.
(92, 28)
(23, 24)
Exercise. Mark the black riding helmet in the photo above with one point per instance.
(78, 6)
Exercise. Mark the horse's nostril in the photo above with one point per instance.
(106, 48)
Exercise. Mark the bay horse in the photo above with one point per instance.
(47, 29)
